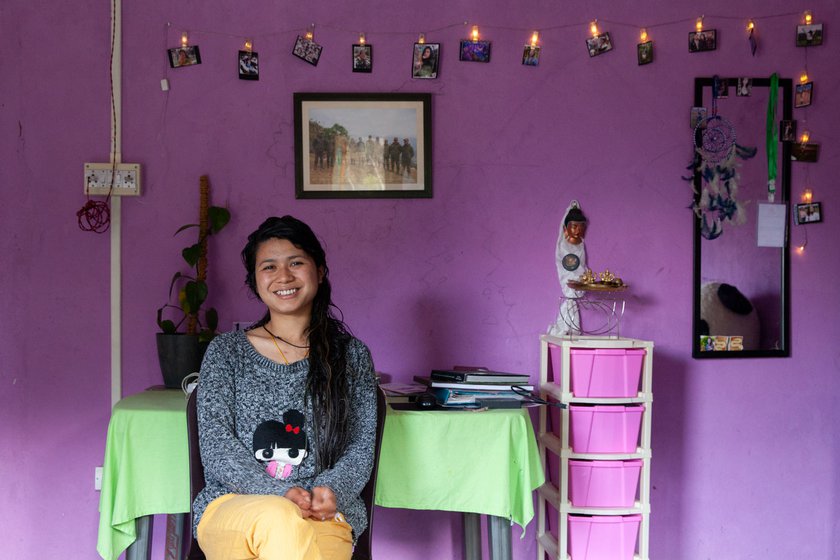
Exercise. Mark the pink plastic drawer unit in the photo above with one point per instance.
(605, 428)
(605, 372)
(603, 483)
(609, 537)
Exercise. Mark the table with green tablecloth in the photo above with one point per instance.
(473, 462)
(145, 471)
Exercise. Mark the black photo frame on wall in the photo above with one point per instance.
(809, 213)
(363, 145)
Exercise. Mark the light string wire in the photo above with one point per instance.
(373, 32)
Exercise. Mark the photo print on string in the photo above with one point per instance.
(249, 65)
(184, 56)
(308, 50)
(531, 55)
(363, 58)
(424, 62)
(644, 52)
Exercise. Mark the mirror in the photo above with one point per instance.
(741, 286)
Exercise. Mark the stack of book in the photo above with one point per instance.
(476, 388)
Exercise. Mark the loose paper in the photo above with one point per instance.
(771, 225)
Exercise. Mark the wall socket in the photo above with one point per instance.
(97, 478)
(126, 180)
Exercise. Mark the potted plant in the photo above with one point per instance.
(180, 351)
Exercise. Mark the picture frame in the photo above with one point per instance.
(787, 131)
(341, 141)
(249, 65)
(809, 35)
(700, 41)
(474, 51)
(425, 61)
(644, 52)
(803, 95)
(531, 55)
(809, 213)
(744, 87)
(362, 58)
(805, 152)
(599, 44)
(307, 50)
(184, 56)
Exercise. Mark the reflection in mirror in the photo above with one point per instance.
(741, 263)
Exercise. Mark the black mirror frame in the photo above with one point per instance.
(782, 195)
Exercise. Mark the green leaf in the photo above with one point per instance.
(218, 218)
(192, 254)
(167, 326)
(182, 228)
(195, 293)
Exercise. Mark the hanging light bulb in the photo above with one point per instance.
(422, 39)
(804, 77)
(185, 39)
(593, 27)
(361, 38)
(801, 248)
(807, 17)
(807, 196)
(806, 136)
(535, 37)
(248, 45)
(643, 35)
(699, 24)
(310, 32)
(750, 26)
(474, 33)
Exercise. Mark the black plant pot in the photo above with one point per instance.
(180, 355)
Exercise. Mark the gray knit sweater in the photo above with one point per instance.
(254, 427)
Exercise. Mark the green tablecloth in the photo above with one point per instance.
(477, 462)
(146, 466)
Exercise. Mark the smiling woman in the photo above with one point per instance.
(285, 456)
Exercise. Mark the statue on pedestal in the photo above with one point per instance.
(571, 264)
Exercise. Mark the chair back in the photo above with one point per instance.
(196, 471)
(363, 543)
(362, 551)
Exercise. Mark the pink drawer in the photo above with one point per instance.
(604, 483)
(608, 537)
(605, 428)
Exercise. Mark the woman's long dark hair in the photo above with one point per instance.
(326, 383)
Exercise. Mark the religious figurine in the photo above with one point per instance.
(571, 265)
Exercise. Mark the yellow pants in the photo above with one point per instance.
(244, 527)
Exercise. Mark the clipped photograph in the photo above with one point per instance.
(599, 44)
(424, 63)
(744, 87)
(474, 51)
(644, 52)
(787, 131)
(699, 41)
(809, 213)
(307, 50)
(363, 58)
(805, 152)
(809, 35)
(249, 65)
(531, 55)
(804, 94)
(184, 56)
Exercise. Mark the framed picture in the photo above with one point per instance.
(249, 65)
(744, 87)
(804, 94)
(307, 50)
(531, 55)
(599, 44)
(424, 63)
(809, 35)
(184, 56)
(699, 41)
(644, 52)
(363, 145)
(474, 51)
(805, 152)
(363, 58)
(808, 213)
(787, 131)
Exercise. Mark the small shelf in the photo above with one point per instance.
(556, 442)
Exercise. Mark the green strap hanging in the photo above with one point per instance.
(772, 137)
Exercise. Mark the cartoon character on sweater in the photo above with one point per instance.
(281, 445)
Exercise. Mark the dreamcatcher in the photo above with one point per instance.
(716, 153)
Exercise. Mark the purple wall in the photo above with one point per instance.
(745, 451)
